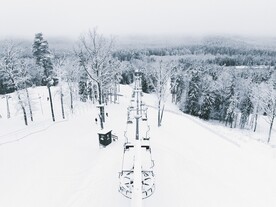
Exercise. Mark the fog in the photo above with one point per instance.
(24, 18)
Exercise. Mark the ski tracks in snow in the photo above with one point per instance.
(26, 132)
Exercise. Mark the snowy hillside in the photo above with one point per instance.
(197, 163)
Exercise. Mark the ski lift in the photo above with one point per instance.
(144, 112)
(126, 175)
(129, 121)
(138, 73)
(141, 149)
(147, 138)
(126, 184)
(144, 116)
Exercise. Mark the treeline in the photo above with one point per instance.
(213, 51)
(88, 68)
(218, 79)
(231, 84)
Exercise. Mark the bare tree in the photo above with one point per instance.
(67, 71)
(159, 73)
(71, 77)
(24, 65)
(111, 82)
(59, 68)
(95, 56)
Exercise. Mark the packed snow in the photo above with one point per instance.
(197, 163)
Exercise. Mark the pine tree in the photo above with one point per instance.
(192, 103)
(229, 98)
(246, 108)
(43, 59)
(207, 98)
(83, 89)
(207, 105)
(231, 105)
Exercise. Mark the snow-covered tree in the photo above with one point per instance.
(256, 98)
(246, 108)
(192, 105)
(111, 84)
(83, 87)
(232, 111)
(269, 102)
(15, 72)
(43, 59)
(207, 98)
(24, 66)
(227, 97)
(67, 70)
(158, 73)
(59, 68)
(177, 86)
(95, 55)
(246, 104)
(72, 77)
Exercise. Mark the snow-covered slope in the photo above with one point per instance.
(196, 163)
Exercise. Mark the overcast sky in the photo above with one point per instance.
(148, 17)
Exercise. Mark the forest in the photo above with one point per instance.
(216, 78)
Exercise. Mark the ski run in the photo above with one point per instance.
(197, 163)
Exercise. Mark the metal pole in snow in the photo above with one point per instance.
(8, 107)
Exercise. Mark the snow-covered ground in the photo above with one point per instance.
(197, 163)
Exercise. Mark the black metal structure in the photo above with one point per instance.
(105, 138)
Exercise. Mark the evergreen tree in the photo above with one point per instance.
(43, 59)
(177, 85)
(83, 88)
(90, 91)
(246, 108)
(192, 103)
(229, 98)
(206, 106)
(207, 98)
(231, 112)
